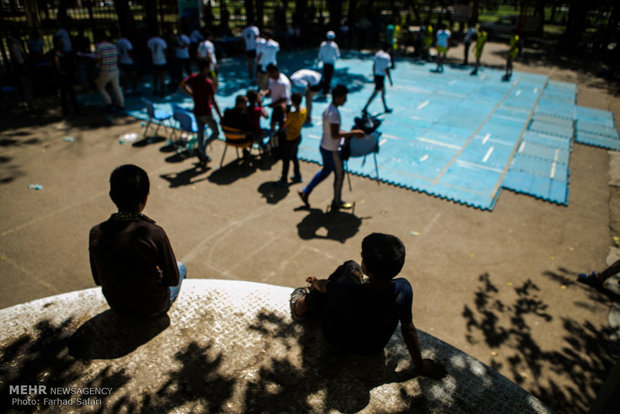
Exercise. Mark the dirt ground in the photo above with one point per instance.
(498, 285)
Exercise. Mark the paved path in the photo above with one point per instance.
(226, 346)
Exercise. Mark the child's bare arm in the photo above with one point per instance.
(410, 335)
(318, 284)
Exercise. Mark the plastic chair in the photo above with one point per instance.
(157, 117)
(235, 138)
(361, 147)
(188, 127)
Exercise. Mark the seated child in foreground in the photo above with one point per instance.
(361, 315)
(237, 117)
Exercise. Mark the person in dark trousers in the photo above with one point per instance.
(328, 54)
(330, 152)
(290, 144)
(202, 91)
(360, 314)
(130, 256)
(64, 71)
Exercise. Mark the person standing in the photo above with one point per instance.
(512, 54)
(202, 91)
(158, 47)
(290, 144)
(250, 34)
(328, 54)
(330, 142)
(126, 63)
(381, 69)
(65, 77)
(311, 82)
(19, 63)
(182, 52)
(106, 58)
(443, 37)
(469, 38)
(481, 39)
(280, 93)
(206, 52)
(267, 53)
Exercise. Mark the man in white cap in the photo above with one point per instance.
(328, 54)
(249, 34)
(310, 80)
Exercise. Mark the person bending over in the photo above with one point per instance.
(360, 315)
(130, 256)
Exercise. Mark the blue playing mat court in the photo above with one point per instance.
(451, 135)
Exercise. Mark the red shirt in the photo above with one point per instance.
(202, 92)
(254, 114)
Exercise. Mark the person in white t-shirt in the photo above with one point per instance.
(280, 93)
(267, 52)
(126, 64)
(443, 35)
(182, 52)
(330, 142)
(158, 47)
(328, 54)
(311, 82)
(206, 53)
(250, 35)
(381, 69)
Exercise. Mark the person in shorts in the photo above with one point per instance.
(250, 34)
(381, 70)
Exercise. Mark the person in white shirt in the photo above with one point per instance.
(328, 54)
(158, 47)
(443, 35)
(381, 69)
(330, 143)
(206, 53)
(266, 55)
(182, 52)
(250, 34)
(126, 63)
(280, 93)
(311, 82)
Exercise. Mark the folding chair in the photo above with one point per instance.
(235, 138)
(157, 117)
(361, 147)
(188, 126)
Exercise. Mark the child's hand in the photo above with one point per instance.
(310, 279)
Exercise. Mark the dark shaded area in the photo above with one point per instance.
(273, 192)
(584, 358)
(186, 177)
(109, 336)
(340, 225)
(344, 379)
(43, 359)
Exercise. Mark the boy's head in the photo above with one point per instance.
(339, 94)
(383, 255)
(273, 71)
(241, 101)
(253, 96)
(204, 65)
(296, 99)
(129, 188)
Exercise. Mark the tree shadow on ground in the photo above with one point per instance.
(109, 336)
(310, 376)
(584, 359)
(43, 358)
(186, 177)
(339, 225)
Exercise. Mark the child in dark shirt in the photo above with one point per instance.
(359, 314)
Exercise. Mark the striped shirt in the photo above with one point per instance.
(107, 54)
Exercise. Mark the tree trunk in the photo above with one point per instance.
(125, 18)
(260, 13)
(249, 12)
(335, 13)
(576, 22)
(150, 15)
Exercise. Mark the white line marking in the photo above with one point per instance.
(489, 152)
(486, 138)
(473, 166)
(314, 136)
(424, 158)
(555, 162)
(383, 141)
(518, 92)
(423, 104)
(535, 90)
(522, 146)
(442, 144)
(452, 82)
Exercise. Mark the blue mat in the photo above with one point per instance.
(451, 135)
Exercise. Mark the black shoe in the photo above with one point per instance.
(296, 179)
(304, 198)
(388, 110)
(282, 183)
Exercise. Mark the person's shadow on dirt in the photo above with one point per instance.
(339, 225)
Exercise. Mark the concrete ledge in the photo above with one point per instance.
(225, 346)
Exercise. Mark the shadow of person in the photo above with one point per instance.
(273, 192)
(109, 335)
(185, 177)
(232, 172)
(339, 225)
